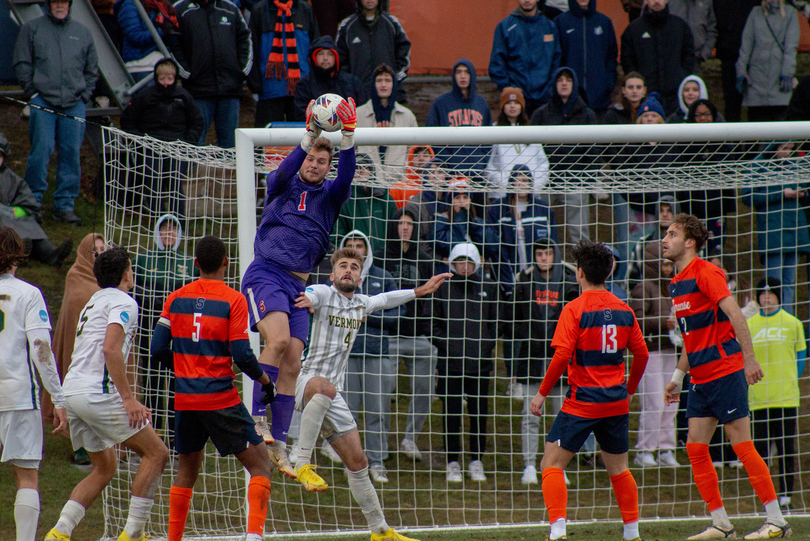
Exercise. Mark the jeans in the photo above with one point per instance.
(47, 131)
(224, 113)
(783, 267)
(371, 379)
(621, 221)
(577, 214)
(420, 358)
(530, 423)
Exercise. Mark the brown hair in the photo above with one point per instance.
(345, 253)
(12, 249)
(693, 228)
(384, 68)
(324, 144)
(625, 102)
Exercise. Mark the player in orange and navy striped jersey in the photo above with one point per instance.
(719, 356)
(206, 324)
(592, 333)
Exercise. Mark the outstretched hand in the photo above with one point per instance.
(303, 302)
(432, 284)
(347, 113)
(312, 127)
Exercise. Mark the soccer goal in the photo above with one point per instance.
(747, 182)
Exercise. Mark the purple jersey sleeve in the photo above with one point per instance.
(341, 187)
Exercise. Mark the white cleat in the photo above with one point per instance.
(713, 532)
(770, 531)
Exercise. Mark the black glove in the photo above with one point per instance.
(269, 391)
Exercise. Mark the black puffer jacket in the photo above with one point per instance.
(213, 49)
(165, 113)
(660, 46)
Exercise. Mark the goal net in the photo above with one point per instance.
(513, 192)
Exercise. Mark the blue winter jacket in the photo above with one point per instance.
(589, 47)
(538, 223)
(138, 41)
(525, 52)
(452, 109)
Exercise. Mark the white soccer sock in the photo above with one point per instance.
(311, 421)
(720, 519)
(26, 514)
(557, 529)
(139, 511)
(366, 497)
(631, 530)
(72, 514)
(774, 513)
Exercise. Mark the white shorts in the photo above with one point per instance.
(338, 419)
(98, 421)
(21, 438)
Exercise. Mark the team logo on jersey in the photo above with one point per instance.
(261, 306)
(43, 315)
(199, 304)
(608, 315)
(124, 317)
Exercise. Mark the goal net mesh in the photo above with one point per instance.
(751, 194)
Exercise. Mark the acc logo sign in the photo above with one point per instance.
(124, 317)
(43, 315)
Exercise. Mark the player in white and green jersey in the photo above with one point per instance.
(781, 350)
(101, 406)
(25, 341)
(337, 313)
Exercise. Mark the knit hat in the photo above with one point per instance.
(772, 285)
(510, 93)
(652, 105)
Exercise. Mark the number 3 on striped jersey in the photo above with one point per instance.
(609, 344)
(303, 204)
(348, 340)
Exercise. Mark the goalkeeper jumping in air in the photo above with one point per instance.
(337, 313)
(299, 212)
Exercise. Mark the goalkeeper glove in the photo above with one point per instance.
(269, 391)
(347, 113)
(313, 130)
(785, 83)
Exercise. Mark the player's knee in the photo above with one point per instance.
(105, 470)
(159, 454)
(277, 344)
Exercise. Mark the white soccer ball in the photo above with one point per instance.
(324, 112)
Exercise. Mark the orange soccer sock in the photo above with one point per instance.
(758, 473)
(626, 490)
(555, 494)
(705, 474)
(179, 502)
(258, 496)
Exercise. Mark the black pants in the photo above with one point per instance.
(766, 113)
(777, 426)
(451, 389)
(274, 110)
(733, 99)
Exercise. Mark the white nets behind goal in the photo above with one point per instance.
(604, 191)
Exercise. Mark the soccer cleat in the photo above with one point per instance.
(454, 472)
(56, 535)
(770, 531)
(390, 535)
(410, 449)
(125, 537)
(714, 532)
(278, 456)
(309, 479)
(330, 452)
(263, 430)
(529, 475)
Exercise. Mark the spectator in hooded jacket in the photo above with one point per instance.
(505, 157)
(731, 17)
(462, 106)
(660, 46)
(525, 54)
(215, 55)
(566, 108)
(541, 291)
(326, 77)
(699, 15)
(383, 111)
(62, 82)
(371, 37)
(588, 43)
(139, 50)
(278, 68)
(767, 61)
(465, 331)
(411, 267)
(692, 89)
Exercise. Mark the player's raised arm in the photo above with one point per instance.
(392, 299)
(340, 188)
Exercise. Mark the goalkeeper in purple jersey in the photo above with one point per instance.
(299, 212)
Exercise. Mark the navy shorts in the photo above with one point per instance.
(725, 399)
(269, 288)
(231, 430)
(571, 431)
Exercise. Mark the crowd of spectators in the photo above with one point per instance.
(476, 210)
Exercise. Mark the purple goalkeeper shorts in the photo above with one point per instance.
(269, 288)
